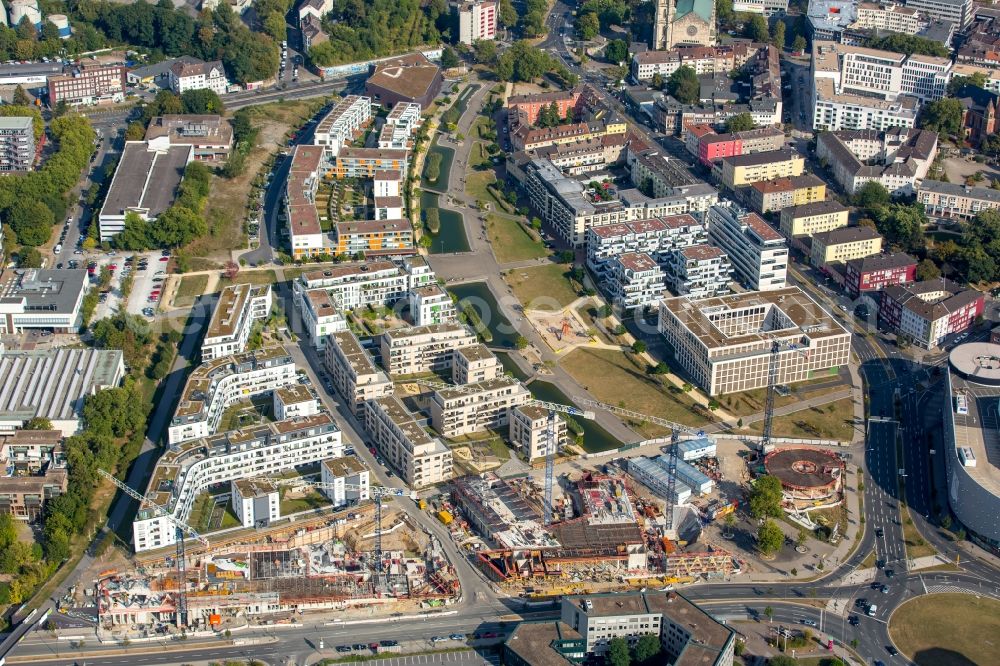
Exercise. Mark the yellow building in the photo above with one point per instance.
(372, 236)
(844, 244)
(768, 195)
(364, 162)
(740, 170)
(813, 218)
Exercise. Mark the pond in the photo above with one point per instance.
(481, 298)
(510, 366)
(451, 237)
(447, 155)
(595, 438)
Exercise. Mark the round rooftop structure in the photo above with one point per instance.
(808, 470)
(977, 362)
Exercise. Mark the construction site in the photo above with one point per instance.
(602, 537)
(329, 562)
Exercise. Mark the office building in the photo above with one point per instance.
(529, 431)
(214, 386)
(34, 471)
(959, 12)
(742, 170)
(774, 195)
(420, 349)
(898, 158)
(353, 371)
(475, 407)
(145, 183)
(698, 271)
(843, 244)
(17, 143)
(210, 136)
(955, 200)
(38, 298)
(724, 343)
(879, 271)
(477, 19)
(239, 307)
(188, 469)
(420, 459)
(185, 75)
(927, 312)
(88, 85)
(53, 384)
(758, 253)
(255, 502)
(812, 218)
(345, 480)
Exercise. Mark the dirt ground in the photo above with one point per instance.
(550, 326)
(958, 168)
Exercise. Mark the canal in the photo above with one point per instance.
(480, 297)
(595, 438)
(451, 237)
(447, 155)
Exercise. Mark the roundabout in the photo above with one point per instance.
(947, 629)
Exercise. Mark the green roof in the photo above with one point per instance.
(702, 8)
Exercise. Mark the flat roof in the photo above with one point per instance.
(407, 76)
(294, 393)
(16, 123)
(766, 157)
(977, 430)
(532, 641)
(230, 307)
(191, 129)
(55, 291)
(52, 383)
(146, 179)
(357, 357)
(255, 487)
(344, 466)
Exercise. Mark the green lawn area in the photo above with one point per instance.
(190, 288)
(588, 314)
(752, 402)
(255, 277)
(612, 378)
(476, 182)
(947, 629)
(207, 515)
(511, 241)
(479, 157)
(539, 285)
(313, 500)
(916, 545)
(830, 421)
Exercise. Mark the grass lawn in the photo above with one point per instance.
(190, 288)
(916, 545)
(612, 378)
(947, 629)
(499, 449)
(254, 277)
(868, 562)
(511, 241)
(588, 314)
(476, 182)
(830, 421)
(752, 402)
(479, 157)
(313, 500)
(547, 282)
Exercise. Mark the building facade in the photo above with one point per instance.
(87, 85)
(476, 407)
(879, 271)
(420, 349)
(239, 307)
(699, 271)
(17, 143)
(477, 19)
(927, 312)
(812, 218)
(420, 459)
(758, 253)
(843, 244)
(353, 371)
(955, 200)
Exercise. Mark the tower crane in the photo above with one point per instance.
(777, 346)
(550, 435)
(182, 530)
(675, 432)
(376, 493)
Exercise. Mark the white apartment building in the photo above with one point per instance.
(188, 469)
(353, 371)
(634, 280)
(419, 349)
(405, 115)
(899, 158)
(345, 480)
(724, 343)
(959, 12)
(529, 428)
(294, 401)
(655, 237)
(343, 124)
(217, 384)
(889, 17)
(420, 459)
(474, 364)
(766, 7)
(834, 111)
(239, 307)
(699, 271)
(199, 75)
(476, 407)
(255, 502)
(431, 305)
(477, 19)
(758, 253)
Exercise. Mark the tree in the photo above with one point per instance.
(977, 79)
(29, 257)
(927, 270)
(943, 116)
(485, 51)
(21, 97)
(449, 58)
(802, 537)
(588, 26)
(898, 42)
(31, 221)
(506, 14)
(781, 660)
(38, 423)
(658, 81)
(647, 648)
(871, 195)
(135, 131)
(618, 654)
(616, 51)
(756, 29)
(203, 101)
(799, 44)
(741, 122)
(638, 347)
(770, 538)
(660, 368)
(683, 85)
(765, 497)
(778, 38)
(274, 25)
(521, 342)
(769, 613)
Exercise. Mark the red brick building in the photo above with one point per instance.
(927, 312)
(88, 84)
(524, 109)
(878, 272)
(979, 112)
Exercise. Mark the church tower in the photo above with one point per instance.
(661, 24)
(684, 22)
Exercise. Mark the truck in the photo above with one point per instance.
(445, 517)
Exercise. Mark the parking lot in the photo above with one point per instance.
(147, 284)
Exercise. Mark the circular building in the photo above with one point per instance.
(810, 478)
(977, 362)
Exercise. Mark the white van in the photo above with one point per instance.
(872, 610)
(58, 248)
